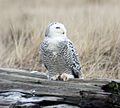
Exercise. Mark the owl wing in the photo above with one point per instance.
(43, 53)
(74, 60)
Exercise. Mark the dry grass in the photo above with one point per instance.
(93, 26)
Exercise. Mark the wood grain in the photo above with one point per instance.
(21, 88)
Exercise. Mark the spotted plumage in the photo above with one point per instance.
(58, 54)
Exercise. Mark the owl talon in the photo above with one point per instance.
(62, 77)
(56, 77)
(66, 77)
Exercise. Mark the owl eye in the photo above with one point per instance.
(57, 27)
(63, 33)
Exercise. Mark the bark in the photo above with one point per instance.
(25, 89)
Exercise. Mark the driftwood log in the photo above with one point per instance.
(32, 89)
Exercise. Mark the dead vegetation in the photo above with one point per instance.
(93, 26)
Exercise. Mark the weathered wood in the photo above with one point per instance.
(20, 88)
(35, 74)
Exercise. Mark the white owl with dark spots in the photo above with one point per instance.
(58, 54)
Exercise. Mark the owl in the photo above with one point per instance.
(59, 55)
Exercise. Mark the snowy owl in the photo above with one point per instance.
(58, 54)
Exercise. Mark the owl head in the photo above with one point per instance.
(55, 29)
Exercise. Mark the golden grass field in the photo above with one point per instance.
(92, 25)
